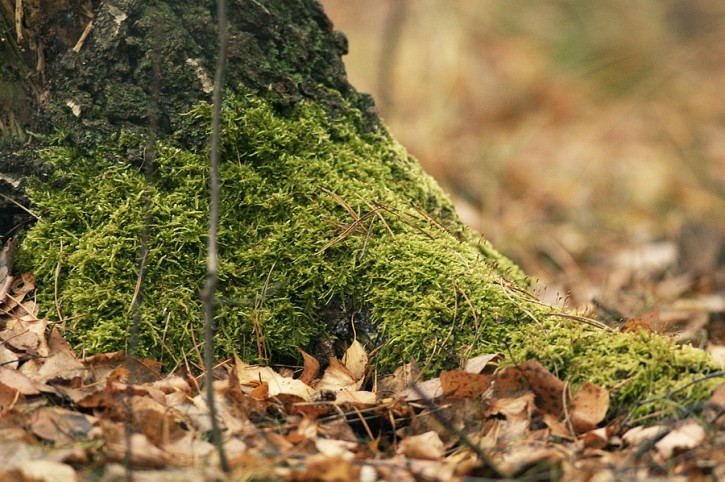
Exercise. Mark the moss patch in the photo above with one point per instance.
(322, 223)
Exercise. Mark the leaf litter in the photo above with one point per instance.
(66, 417)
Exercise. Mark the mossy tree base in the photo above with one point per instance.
(324, 227)
(328, 228)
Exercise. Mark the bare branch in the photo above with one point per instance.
(212, 274)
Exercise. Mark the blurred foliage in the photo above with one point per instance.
(569, 127)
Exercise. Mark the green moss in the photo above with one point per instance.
(320, 222)
(637, 366)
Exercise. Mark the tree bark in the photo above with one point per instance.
(86, 67)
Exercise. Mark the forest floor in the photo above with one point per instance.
(597, 163)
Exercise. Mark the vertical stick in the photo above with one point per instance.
(136, 309)
(212, 276)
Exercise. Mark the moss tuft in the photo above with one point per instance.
(637, 366)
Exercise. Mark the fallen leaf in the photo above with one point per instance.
(684, 437)
(548, 388)
(355, 359)
(596, 439)
(188, 449)
(517, 416)
(426, 446)
(589, 407)
(355, 397)
(61, 367)
(427, 390)
(311, 368)
(717, 352)
(714, 409)
(321, 468)
(458, 384)
(155, 421)
(139, 452)
(8, 358)
(8, 397)
(46, 471)
(15, 380)
(61, 426)
(508, 383)
(276, 383)
(336, 448)
(522, 455)
(482, 362)
(637, 435)
(20, 340)
(338, 377)
(403, 377)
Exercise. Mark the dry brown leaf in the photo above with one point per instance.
(548, 388)
(589, 407)
(403, 377)
(483, 362)
(460, 384)
(15, 380)
(155, 421)
(337, 377)
(62, 426)
(717, 352)
(358, 397)
(596, 439)
(718, 397)
(187, 449)
(261, 391)
(557, 427)
(311, 368)
(509, 383)
(686, 436)
(61, 367)
(103, 363)
(637, 435)
(517, 413)
(524, 455)
(46, 471)
(321, 468)
(172, 384)
(276, 383)
(20, 340)
(336, 448)
(142, 452)
(427, 390)
(15, 295)
(356, 360)
(8, 358)
(8, 396)
(426, 446)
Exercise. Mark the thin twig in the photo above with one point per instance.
(8, 198)
(55, 282)
(136, 308)
(212, 275)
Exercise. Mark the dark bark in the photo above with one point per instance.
(52, 80)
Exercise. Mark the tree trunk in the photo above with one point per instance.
(329, 230)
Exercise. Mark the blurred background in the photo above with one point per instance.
(586, 140)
